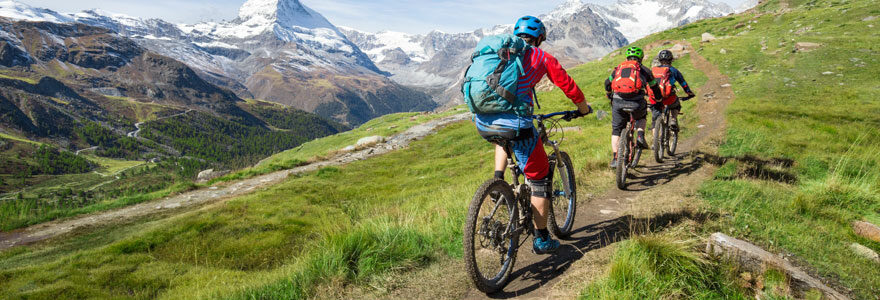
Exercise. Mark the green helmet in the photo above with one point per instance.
(635, 51)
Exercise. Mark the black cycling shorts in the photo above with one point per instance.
(619, 117)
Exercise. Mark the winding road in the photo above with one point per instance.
(138, 125)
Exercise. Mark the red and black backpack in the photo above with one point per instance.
(627, 80)
(663, 75)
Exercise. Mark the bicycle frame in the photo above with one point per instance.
(522, 189)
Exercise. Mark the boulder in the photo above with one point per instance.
(708, 37)
(370, 140)
(678, 50)
(867, 230)
(865, 252)
(755, 260)
(209, 174)
(869, 18)
(806, 46)
(723, 51)
(349, 148)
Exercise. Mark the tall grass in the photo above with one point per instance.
(662, 267)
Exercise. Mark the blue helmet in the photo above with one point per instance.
(529, 25)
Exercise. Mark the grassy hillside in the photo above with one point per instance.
(345, 225)
(799, 162)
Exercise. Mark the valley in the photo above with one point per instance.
(332, 200)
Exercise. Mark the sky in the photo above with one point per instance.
(412, 16)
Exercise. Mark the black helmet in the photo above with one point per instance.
(665, 55)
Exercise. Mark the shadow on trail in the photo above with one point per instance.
(647, 177)
(598, 236)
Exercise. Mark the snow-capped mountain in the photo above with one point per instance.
(639, 18)
(20, 11)
(276, 50)
(578, 32)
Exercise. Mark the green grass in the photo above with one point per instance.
(19, 139)
(812, 137)
(326, 147)
(347, 225)
(663, 267)
(341, 225)
(110, 167)
(25, 79)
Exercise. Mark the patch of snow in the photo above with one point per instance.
(20, 11)
(216, 44)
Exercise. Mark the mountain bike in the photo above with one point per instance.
(628, 150)
(665, 139)
(501, 211)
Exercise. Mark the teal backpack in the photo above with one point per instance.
(490, 83)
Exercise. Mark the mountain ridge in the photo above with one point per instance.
(276, 50)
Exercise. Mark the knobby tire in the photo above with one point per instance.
(470, 239)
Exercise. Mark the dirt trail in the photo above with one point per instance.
(181, 202)
(601, 220)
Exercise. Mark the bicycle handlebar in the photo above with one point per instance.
(566, 115)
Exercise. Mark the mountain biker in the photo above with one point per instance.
(665, 57)
(526, 144)
(631, 95)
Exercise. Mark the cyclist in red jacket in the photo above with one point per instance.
(527, 145)
(626, 89)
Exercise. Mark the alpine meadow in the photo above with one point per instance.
(278, 156)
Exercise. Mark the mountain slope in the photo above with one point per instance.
(398, 219)
(280, 51)
(58, 76)
(578, 33)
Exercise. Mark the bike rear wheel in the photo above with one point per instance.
(635, 150)
(623, 155)
(491, 236)
(672, 140)
(658, 141)
(563, 206)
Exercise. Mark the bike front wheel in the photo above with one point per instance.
(491, 236)
(563, 206)
(623, 157)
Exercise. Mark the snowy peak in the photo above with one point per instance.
(639, 18)
(20, 11)
(565, 10)
(286, 13)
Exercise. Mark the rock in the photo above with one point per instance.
(827, 73)
(869, 19)
(701, 126)
(757, 261)
(392, 126)
(678, 50)
(708, 37)
(209, 174)
(203, 175)
(865, 252)
(723, 51)
(867, 230)
(726, 85)
(606, 212)
(370, 140)
(806, 46)
(349, 148)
